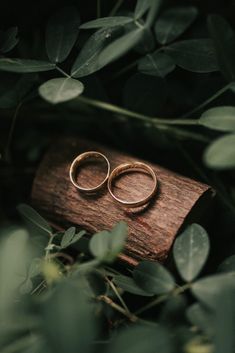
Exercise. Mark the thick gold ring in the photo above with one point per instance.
(77, 163)
(123, 168)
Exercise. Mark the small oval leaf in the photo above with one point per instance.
(221, 153)
(60, 90)
(173, 22)
(219, 118)
(190, 251)
(61, 33)
(156, 64)
(197, 55)
(153, 278)
(224, 40)
(129, 285)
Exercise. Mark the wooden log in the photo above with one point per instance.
(152, 229)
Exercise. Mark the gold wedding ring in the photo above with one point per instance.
(134, 166)
(77, 162)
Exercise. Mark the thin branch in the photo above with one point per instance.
(118, 295)
(115, 306)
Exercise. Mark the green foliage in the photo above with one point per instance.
(107, 22)
(190, 251)
(142, 339)
(105, 246)
(173, 22)
(195, 55)
(24, 65)
(120, 46)
(88, 61)
(221, 153)
(156, 64)
(153, 278)
(60, 90)
(157, 79)
(224, 40)
(61, 34)
(73, 303)
(221, 118)
(34, 219)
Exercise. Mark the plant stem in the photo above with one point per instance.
(115, 8)
(7, 154)
(47, 257)
(62, 72)
(208, 101)
(117, 307)
(118, 295)
(118, 110)
(163, 297)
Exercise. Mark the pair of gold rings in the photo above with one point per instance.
(111, 176)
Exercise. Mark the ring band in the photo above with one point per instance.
(128, 167)
(79, 160)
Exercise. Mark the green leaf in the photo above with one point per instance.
(120, 46)
(61, 33)
(24, 65)
(153, 278)
(196, 55)
(142, 6)
(202, 318)
(67, 237)
(33, 219)
(141, 339)
(105, 245)
(228, 265)
(190, 251)
(221, 153)
(224, 40)
(224, 340)
(156, 64)
(8, 39)
(69, 324)
(129, 285)
(174, 22)
(14, 256)
(70, 237)
(207, 289)
(35, 268)
(58, 90)
(107, 22)
(219, 118)
(87, 61)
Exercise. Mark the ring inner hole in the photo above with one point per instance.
(132, 185)
(91, 172)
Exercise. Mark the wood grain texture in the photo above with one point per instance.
(152, 229)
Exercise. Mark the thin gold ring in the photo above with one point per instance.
(76, 164)
(123, 168)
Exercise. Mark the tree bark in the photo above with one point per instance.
(152, 229)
